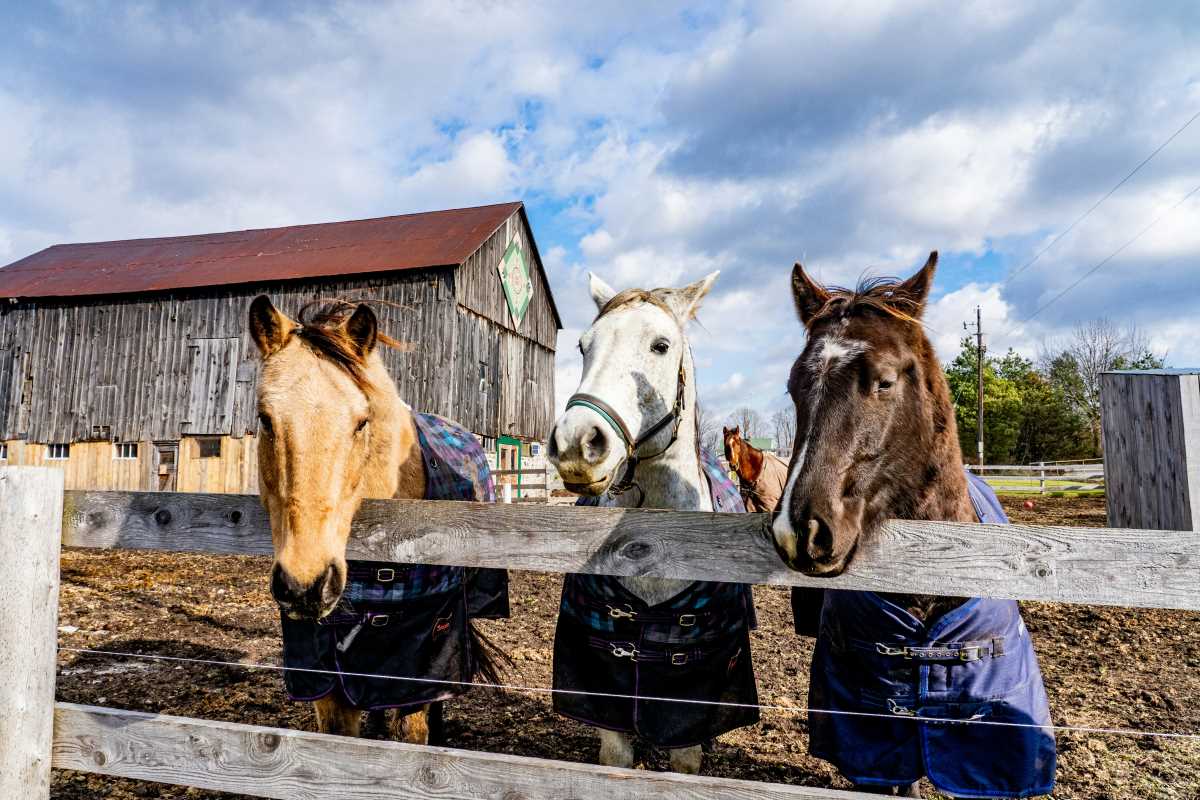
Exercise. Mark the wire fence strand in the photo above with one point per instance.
(787, 709)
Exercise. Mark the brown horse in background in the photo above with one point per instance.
(761, 475)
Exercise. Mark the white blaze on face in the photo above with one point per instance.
(828, 354)
(834, 351)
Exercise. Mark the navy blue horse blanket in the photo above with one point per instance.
(404, 620)
(694, 646)
(975, 663)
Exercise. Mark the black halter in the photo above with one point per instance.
(632, 459)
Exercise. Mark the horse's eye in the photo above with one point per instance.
(264, 423)
(884, 385)
(362, 423)
(661, 346)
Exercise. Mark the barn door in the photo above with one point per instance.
(211, 391)
(166, 478)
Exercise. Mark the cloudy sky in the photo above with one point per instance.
(652, 143)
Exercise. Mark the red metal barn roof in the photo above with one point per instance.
(409, 241)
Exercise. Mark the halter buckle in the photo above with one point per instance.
(622, 613)
(620, 652)
(385, 575)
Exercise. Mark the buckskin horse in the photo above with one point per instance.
(333, 431)
(628, 438)
(876, 439)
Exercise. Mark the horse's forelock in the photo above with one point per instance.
(887, 295)
(323, 329)
(630, 296)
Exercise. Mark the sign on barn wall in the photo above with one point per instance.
(514, 277)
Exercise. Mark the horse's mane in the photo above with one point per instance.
(323, 329)
(652, 296)
(886, 295)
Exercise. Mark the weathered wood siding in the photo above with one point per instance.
(479, 288)
(165, 366)
(1151, 423)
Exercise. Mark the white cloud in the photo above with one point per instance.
(660, 145)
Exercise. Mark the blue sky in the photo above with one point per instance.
(652, 143)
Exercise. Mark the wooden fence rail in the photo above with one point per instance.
(286, 764)
(1077, 565)
(1125, 567)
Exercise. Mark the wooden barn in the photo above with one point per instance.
(129, 364)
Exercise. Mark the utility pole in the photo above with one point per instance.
(979, 362)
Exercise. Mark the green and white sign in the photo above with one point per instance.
(514, 277)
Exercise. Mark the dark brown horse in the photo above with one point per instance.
(875, 430)
(876, 439)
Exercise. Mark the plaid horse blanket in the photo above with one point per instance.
(694, 646)
(404, 620)
(973, 663)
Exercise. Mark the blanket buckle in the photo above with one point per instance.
(622, 613)
(887, 650)
(679, 659)
(620, 652)
(687, 620)
(899, 710)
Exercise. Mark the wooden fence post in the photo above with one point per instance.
(1151, 422)
(31, 510)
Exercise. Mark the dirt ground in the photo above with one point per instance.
(1104, 667)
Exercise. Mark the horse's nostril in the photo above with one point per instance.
(818, 539)
(596, 441)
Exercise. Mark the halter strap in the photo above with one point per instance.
(613, 418)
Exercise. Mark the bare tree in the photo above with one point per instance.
(709, 431)
(749, 420)
(784, 421)
(1092, 348)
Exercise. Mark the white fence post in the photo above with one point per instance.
(31, 509)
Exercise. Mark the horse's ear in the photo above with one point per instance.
(916, 289)
(363, 329)
(810, 297)
(268, 327)
(685, 302)
(601, 291)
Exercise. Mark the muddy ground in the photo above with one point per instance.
(1104, 667)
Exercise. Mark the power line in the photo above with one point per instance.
(1096, 205)
(1112, 255)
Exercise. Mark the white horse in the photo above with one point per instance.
(630, 434)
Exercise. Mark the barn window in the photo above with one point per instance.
(125, 450)
(210, 446)
(483, 376)
(58, 451)
(3, 451)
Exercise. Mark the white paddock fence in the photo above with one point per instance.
(1043, 477)
(1077, 565)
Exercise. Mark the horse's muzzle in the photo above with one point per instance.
(311, 602)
